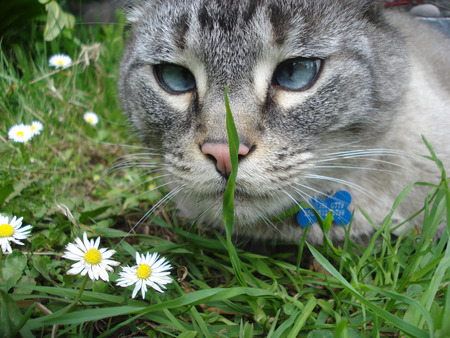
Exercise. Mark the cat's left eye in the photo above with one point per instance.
(174, 78)
(296, 74)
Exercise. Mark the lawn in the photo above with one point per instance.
(76, 177)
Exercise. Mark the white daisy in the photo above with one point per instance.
(150, 270)
(60, 61)
(12, 231)
(91, 117)
(36, 127)
(20, 133)
(90, 259)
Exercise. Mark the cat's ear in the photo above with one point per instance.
(134, 9)
(371, 9)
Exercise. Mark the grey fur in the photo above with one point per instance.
(385, 81)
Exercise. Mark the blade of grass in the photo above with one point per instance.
(301, 320)
(405, 299)
(190, 299)
(228, 197)
(399, 323)
(274, 324)
(201, 323)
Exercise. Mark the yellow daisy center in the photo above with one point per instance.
(93, 256)
(60, 62)
(6, 230)
(20, 133)
(90, 120)
(33, 127)
(143, 271)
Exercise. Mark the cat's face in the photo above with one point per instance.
(307, 79)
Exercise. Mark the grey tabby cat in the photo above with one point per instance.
(328, 96)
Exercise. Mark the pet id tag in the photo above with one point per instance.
(337, 204)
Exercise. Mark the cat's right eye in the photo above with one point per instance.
(174, 78)
(296, 74)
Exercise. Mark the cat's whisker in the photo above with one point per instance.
(378, 151)
(391, 172)
(199, 216)
(310, 197)
(367, 154)
(319, 193)
(152, 178)
(270, 224)
(345, 183)
(161, 202)
(299, 205)
(131, 165)
(153, 189)
(127, 162)
(150, 172)
(127, 146)
(140, 156)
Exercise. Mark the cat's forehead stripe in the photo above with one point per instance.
(180, 28)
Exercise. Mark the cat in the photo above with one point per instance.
(328, 97)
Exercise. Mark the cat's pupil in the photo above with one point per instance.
(174, 78)
(296, 74)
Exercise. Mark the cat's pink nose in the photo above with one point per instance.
(221, 154)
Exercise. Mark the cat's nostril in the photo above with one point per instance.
(212, 158)
(220, 153)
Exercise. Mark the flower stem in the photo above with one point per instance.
(77, 298)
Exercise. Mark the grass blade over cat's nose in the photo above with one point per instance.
(228, 197)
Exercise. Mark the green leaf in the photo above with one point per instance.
(41, 264)
(57, 20)
(19, 187)
(15, 264)
(11, 318)
(87, 216)
(263, 268)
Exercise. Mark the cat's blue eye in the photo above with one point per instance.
(175, 79)
(296, 74)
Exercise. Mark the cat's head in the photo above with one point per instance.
(306, 79)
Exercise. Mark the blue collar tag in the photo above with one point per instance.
(337, 204)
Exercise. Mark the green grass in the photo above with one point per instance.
(61, 182)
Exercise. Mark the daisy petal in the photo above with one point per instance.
(12, 231)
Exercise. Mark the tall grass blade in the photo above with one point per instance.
(399, 323)
(228, 197)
